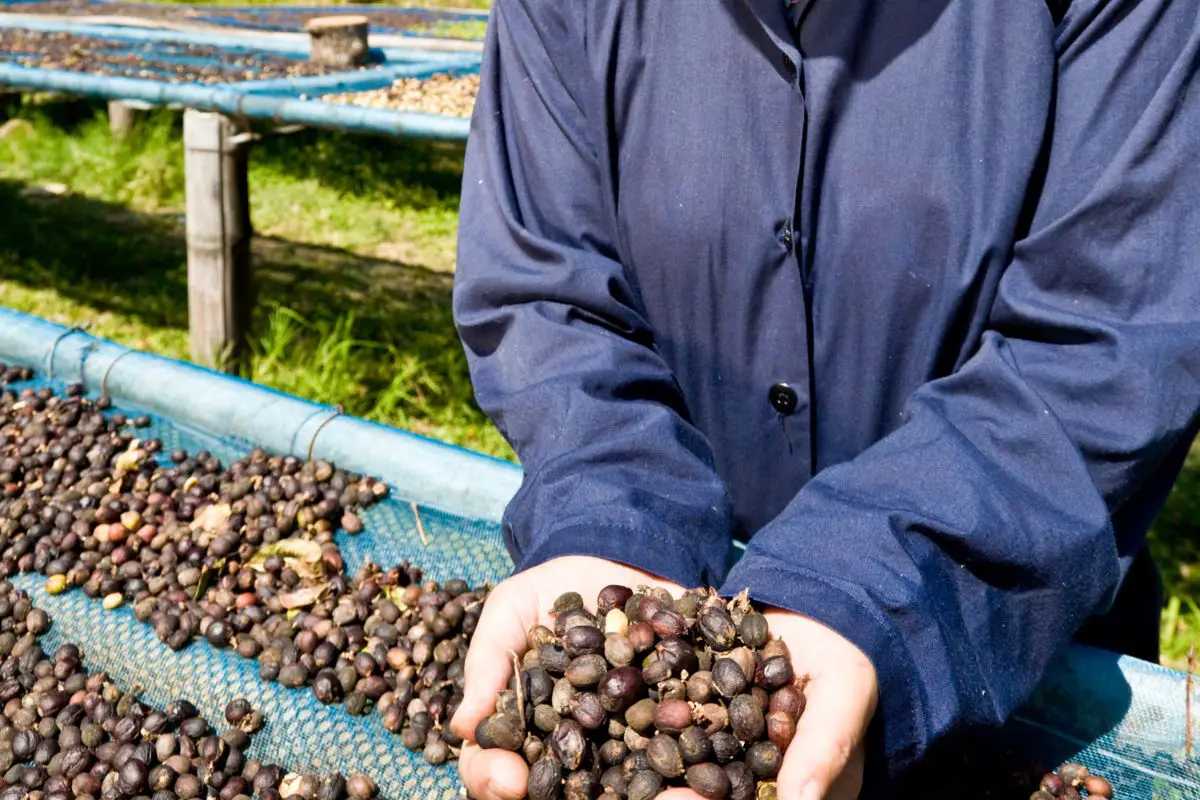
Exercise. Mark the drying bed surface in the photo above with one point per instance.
(441, 94)
(171, 62)
(302, 729)
(394, 20)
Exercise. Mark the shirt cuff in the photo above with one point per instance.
(896, 738)
(666, 554)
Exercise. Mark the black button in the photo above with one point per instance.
(789, 66)
(783, 398)
(785, 235)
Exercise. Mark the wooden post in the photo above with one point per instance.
(338, 41)
(218, 238)
(121, 117)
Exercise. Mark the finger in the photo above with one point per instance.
(493, 774)
(678, 794)
(848, 785)
(839, 708)
(468, 771)
(488, 667)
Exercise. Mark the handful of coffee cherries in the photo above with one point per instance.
(650, 691)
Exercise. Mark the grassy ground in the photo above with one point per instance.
(1175, 542)
(353, 261)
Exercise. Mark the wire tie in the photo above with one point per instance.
(108, 370)
(337, 412)
(54, 347)
(84, 354)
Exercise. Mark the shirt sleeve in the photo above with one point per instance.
(963, 551)
(560, 353)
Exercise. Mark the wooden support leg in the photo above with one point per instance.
(121, 117)
(218, 238)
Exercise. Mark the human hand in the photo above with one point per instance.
(511, 610)
(824, 761)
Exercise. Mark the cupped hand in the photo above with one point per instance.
(512, 609)
(824, 761)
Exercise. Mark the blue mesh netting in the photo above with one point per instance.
(300, 732)
(1123, 718)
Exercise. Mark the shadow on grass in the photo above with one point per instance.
(1176, 533)
(135, 264)
(376, 336)
(94, 253)
(67, 113)
(415, 173)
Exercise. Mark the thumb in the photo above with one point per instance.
(488, 667)
(825, 754)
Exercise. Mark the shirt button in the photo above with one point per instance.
(785, 235)
(783, 398)
(789, 66)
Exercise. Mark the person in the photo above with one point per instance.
(903, 295)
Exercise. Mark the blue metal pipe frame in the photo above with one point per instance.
(294, 48)
(360, 81)
(242, 105)
(281, 110)
(440, 475)
(284, 101)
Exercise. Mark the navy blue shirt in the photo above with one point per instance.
(906, 294)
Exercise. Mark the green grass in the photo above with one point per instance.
(353, 262)
(353, 266)
(455, 30)
(1175, 542)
